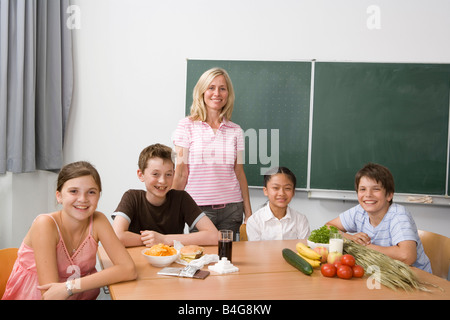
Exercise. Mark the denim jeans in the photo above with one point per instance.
(226, 217)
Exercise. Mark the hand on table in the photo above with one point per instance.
(150, 238)
(360, 238)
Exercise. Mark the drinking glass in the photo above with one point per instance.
(225, 244)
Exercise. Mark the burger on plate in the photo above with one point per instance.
(191, 252)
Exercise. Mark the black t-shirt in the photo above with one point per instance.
(169, 218)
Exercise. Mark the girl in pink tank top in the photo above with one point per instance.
(57, 257)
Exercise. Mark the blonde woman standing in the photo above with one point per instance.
(210, 155)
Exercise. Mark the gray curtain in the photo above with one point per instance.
(36, 83)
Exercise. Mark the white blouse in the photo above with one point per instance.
(263, 225)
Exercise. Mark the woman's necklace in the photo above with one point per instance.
(74, 249)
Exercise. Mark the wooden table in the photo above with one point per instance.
(263, 275)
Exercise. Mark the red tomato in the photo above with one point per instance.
(337, 264)
(348, 260)
(344, 272)
(328, 270)
(358, 271)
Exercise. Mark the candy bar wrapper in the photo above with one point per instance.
(170, 271)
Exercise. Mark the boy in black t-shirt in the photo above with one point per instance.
(158, 214)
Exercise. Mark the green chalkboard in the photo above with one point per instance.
(393, 114)
(272, 107)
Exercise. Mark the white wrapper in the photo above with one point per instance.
(198, 263)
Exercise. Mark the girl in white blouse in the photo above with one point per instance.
(276, 220)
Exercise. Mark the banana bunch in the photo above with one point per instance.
(312, 257)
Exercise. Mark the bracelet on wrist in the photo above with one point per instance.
(69, 287)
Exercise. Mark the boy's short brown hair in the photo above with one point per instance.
(155, 151)
(378, 173)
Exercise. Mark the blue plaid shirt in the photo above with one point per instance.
(397, 226)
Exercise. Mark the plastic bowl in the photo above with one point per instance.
(160, 261)
(313, 245)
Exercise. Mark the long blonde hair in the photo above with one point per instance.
(198, 108)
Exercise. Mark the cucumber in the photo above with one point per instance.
(298, 262)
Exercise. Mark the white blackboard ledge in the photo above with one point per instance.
(402, 198)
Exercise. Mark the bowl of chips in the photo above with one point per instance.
(160, 255)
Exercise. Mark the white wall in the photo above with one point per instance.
(22, 198)
(130, 74)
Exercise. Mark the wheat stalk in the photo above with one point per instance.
(393, 273)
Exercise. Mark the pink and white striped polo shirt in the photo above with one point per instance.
(211, 160)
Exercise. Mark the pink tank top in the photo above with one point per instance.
(23, 281)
